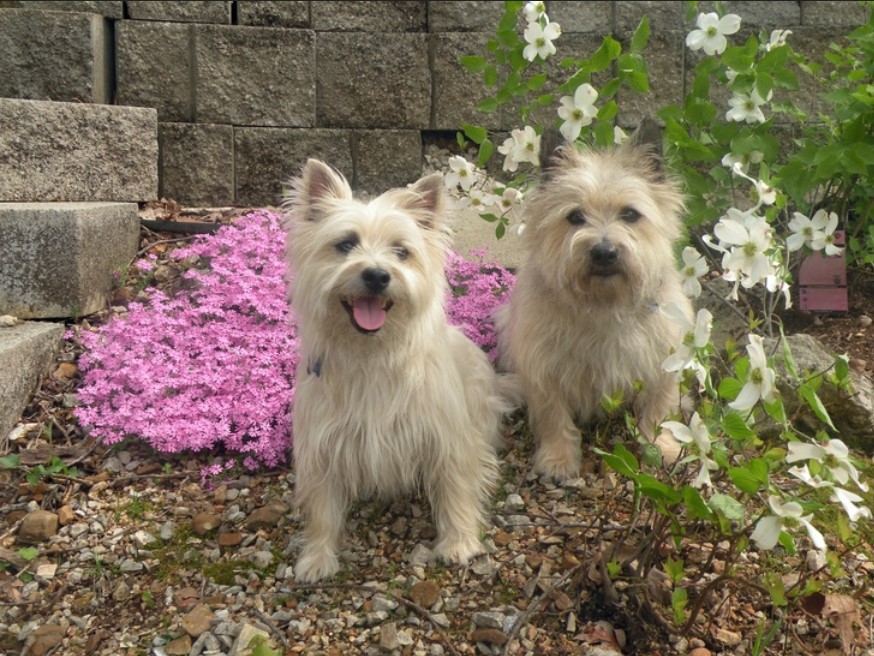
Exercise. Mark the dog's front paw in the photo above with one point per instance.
(558, 461)
(315, 564)
(458, 550)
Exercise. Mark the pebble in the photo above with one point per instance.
(488, 619)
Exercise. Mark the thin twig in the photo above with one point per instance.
(145, 250)
(272, 628)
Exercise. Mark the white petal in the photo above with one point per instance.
(767, 532)
(747, 398)
(728, 24)
(585, 95)
(795, 241)
(703, 326)
(804, 451)
(731, 232)
(815, 536)
(552, 31)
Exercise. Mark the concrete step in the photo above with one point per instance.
(27, 350)
(58, 259)
(58, 151)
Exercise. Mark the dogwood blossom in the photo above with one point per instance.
(747, 107)
(778, 38)
(694, 266)
(825, 240)
(849, 500)
(748, 237)
(732, 160)
(768, 528)
(533, 10)
(832, 454)
(695, 336)
(711, 32)
(698, 437)
(577, 111)
(540, 40)
(461, 172)
(760, 381)
(804, 230)
(522, 146)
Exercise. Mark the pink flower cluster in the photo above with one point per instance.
(211, 368)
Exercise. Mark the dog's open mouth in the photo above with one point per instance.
(368, 313)
(604, 271)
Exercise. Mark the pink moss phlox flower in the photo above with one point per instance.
(211, 368)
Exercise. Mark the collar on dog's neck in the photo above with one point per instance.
(314, 366)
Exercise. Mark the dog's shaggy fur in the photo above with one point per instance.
(585, 320)
(389, 397)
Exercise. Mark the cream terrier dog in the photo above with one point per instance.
(389, 397)
(584, 319)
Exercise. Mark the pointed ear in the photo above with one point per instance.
(552, 144)
(427, 199)
(647, 139)
(317, 182)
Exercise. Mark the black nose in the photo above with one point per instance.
(376, 280)
(604, 253)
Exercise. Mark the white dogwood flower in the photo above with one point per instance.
(778, 38)
(540, 40)
(694, 336)
(825, 240)
(832, 454)
(461, 172)
(510, 197)
(619, 136)
(711, 32)
(697, 436)
(577, 111)
(753, 157)
(521, 146)
(749, 238)
(849, 500)
(747, 107)
(694, 266)
(533, 10)
(760, 381)
(804, 230)
(768, 528)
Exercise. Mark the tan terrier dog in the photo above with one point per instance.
(584, 319)
(389, 397)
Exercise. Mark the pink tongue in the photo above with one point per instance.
(368, 313)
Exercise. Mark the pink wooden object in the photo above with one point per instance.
(823, 281)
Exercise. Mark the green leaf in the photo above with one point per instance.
(474, 133)
(604, 56)
(695, 504)
(488, 105)
(621, 460)
(490, 76)
(735, 427)
(641, 36)
(546, 99)
(750, 478)
(679, 599)
(788, 359)
(812, 398)
(727, 506)
(473, 63)
(729, 388)
(500, 229)
(28, 553)
(486, 150)
(674, 569)
(11, 461)
(654, 489)
(536, 81)
(488, 217)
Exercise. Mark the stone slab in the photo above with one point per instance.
(387, 158)
(259, 76)
(108, 8)
(59, 259)
(266, 158)
(155, 69)
(373, 80)
(767, 14)
(77, 152)
(833, 13)
(26, 352)
(274, 13)
(197, 163)
(192, 11)
(54, 55)
(464, 15)
(369, 15)
(458, 91)
(664, 61)
(596, 16)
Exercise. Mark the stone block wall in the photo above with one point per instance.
(247, 90)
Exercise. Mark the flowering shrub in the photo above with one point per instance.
(211, 368)
(737, 482)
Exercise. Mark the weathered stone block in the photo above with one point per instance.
(197, 163)
(369, 16)
(661, 15)
(268, 13)
(77, 152)
(594, 16)
(26, 351)
(457, 91)
(50, 55)
(154, 68)
(831, 13)
(464, 15)
(664, 60)
(814, 42)
(255, 76)
(387, 158)
(768, 14)
(59, 258)
(193, 11)
(266, 158)
(107, 8)
(373, 80)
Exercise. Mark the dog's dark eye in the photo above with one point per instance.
(629, 214)
(401, 252)
(576, 217)
(346, 245)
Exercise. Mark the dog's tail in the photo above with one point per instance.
(510, 389)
